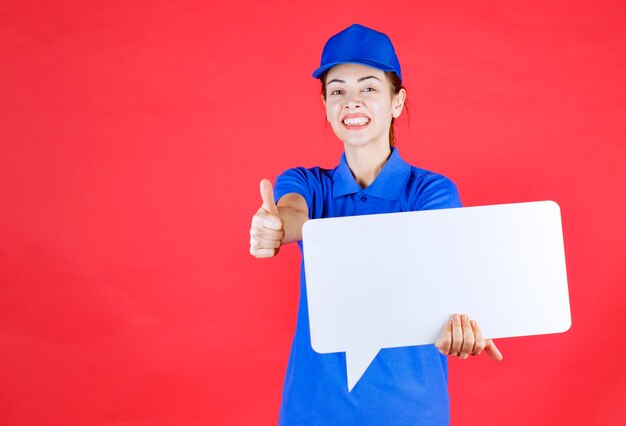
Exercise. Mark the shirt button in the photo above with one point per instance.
(363, 198)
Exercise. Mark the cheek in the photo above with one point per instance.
(382, 111)
(333, 110)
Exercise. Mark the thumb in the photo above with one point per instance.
(493, 351)
(267, 194)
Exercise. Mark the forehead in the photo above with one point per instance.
(352, 72)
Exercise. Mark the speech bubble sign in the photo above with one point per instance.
(392, 280)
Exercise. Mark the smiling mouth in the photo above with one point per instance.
(356, 122)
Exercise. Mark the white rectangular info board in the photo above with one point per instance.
(390, 280)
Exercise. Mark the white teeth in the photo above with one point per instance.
(357, 121)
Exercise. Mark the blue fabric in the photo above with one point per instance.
(402, 386)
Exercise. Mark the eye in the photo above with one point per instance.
(369, 89)
(336, 92)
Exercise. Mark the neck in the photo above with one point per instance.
(367, 161)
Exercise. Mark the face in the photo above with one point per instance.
(360, 105)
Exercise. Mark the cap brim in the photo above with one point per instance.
(318, 72)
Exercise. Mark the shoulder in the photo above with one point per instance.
(426, 178)
(306, 181)
(431, 190)
(311, 177)
(307, 173)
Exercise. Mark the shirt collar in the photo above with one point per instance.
(388, 184)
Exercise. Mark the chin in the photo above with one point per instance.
(357, 141)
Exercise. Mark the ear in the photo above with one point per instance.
(324, 102)
(398, 103)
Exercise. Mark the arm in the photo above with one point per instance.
(294, 212)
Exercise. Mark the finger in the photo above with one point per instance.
(457, 335)
(269, 221)
(260, 233)
(263, 233)
(493, 351)
(273, 223)
(444, 341)
(263, 253)
(267, 195)
(468, 337)
(479, 340)
(264, 244)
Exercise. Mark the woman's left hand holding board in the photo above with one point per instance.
(462, 337)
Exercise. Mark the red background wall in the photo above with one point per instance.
(133, 136)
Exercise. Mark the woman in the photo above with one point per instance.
(363, 94)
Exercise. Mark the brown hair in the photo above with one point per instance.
(396, 86)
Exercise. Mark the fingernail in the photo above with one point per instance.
(456, 317)
(473, 323)
(464, 317)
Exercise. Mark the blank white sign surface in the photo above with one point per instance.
(391, 280)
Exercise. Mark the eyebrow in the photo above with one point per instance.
(336, 80)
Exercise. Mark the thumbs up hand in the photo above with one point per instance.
(267, 229)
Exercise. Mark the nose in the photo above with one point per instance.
(353, 101)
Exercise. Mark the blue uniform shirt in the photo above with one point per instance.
(402, 386)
